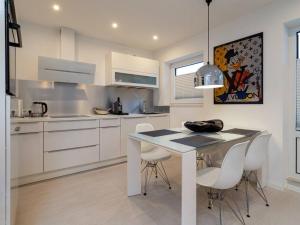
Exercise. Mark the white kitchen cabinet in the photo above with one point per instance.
(110, 122)
(110, 143)
(129, 70)
(26, 149)
(162, 95)
(62, 159)
(70, 125)
(70, 143)
(160, 121)
(59, 140)
(40, 147)
(23, 128)
(128, 126)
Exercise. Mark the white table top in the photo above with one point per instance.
(165, 141)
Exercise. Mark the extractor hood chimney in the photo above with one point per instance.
(67, 43)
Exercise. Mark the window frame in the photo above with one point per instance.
(298, 44)
(178, 64)
(179, 67)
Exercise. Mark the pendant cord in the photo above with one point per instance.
(208, 34)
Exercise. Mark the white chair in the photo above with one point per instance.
(153, 157)
(255, 158)
(217, 180)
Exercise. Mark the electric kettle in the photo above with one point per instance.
(39, 109)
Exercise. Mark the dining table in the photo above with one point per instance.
(185, 144)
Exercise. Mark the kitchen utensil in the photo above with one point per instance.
(117, 107)
(143, 107)
(100, 111)
(205, 126)
(39, 109)
(16, 107)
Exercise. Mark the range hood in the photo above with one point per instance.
(61, 70)
(66, 69)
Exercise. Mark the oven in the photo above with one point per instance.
(13, 39)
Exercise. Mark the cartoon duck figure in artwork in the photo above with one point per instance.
(237, 76)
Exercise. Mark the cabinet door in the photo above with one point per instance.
(110, 146)
(134, 63)
(160, 122)
(70, 125)
(135, 79)
(23, 128)
(59, 140)
(128, 126)
(26, 154)
(56, 160)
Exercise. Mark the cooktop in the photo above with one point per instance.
(68, 116)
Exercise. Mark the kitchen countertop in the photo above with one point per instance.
(89, 117)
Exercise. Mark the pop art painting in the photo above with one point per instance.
(241, 62)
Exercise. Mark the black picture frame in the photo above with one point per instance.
(261, 100)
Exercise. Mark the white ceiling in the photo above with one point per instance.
(139, 20)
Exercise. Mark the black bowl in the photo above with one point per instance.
(205, 126)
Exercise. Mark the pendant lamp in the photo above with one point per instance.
(209, 76)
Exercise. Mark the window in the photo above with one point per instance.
(298, 43)
(183, 74)
(189, 69)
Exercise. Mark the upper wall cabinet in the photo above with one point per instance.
(132, 71)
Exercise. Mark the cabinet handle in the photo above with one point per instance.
(70, 149)
(56, 131)
(132, 118)
(17, 128)
(27, 133)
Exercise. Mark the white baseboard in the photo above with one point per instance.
(293, 184)
(293, 187)
(54, 174)
(275, 186)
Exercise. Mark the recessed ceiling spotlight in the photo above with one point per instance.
(56, 7)
(114, 25)
(155, 37)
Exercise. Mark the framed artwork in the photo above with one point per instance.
(241, 62)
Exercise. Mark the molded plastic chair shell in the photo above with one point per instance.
(257, 152)
(230, 173)
(144, 127)
(232, 167)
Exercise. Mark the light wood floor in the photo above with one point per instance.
(99, 198)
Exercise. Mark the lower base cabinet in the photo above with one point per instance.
(110, 144)
(298, 156)
(56, 160)
(26, 154)
(39, 147)
(128, 126)
(160, 122)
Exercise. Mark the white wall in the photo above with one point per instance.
(45, 41)
(271, 20)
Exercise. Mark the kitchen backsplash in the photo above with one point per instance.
(63, 98)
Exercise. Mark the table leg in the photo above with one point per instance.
(133, 167)
(188, 192)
